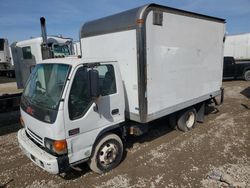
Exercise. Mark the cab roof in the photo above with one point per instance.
(38, 40)
(74, 61)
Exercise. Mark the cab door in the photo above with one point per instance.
(84, 117)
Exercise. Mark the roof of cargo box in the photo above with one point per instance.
(128, 20)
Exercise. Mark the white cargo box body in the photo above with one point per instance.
(169, 59)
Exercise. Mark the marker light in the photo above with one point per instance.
(140, 21)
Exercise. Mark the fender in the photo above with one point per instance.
(118, 129)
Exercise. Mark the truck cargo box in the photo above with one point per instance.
(169, 59)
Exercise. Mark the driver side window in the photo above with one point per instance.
(79, 97)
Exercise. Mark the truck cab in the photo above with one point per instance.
(62, 99)
(28, 52)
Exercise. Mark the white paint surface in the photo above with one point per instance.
(184, 60)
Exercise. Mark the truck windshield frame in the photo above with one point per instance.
(36, 100)
(46, 84)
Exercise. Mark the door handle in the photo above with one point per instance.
(115, 111)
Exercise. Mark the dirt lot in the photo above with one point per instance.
(4, 79)
(8, 85)
(215, 154)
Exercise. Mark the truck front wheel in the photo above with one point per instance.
(107, 154)
(247, 75)
(187, 119)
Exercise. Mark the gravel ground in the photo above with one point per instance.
(4, 79)
(9, 88)
(215, 154)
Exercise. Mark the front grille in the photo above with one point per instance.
(35, 137)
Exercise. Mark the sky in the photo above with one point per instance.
(19, 19)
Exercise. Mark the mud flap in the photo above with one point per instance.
(200, 112)
(221, 97)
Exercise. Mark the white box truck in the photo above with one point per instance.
(136, 66)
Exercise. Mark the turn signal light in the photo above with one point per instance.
(60, 146)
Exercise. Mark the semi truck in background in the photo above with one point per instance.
(22, 57)
(6, 65)
(138, 66)
(237, 57)
(27, 53)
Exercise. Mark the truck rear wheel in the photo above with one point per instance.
(107, 154)
(247, 75)
(187, 119)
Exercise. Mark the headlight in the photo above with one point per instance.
(56, 146)
(48, 143)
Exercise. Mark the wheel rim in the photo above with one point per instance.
(190, 119)
(108, 154)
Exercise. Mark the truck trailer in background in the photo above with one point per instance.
(137, 66)
(237, 46)
(6, 65)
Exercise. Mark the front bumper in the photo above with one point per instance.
(44, 160)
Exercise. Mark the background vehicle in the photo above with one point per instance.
(28, 52)
(237, 46)
(239, 69)
(6, 65)
(137, 66)
(237, 56)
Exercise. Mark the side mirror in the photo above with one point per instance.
(94, 83)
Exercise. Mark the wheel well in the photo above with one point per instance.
(246, 69)
(244, 72)
(115, 129)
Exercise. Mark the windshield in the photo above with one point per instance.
(60, 50)
(46, 84)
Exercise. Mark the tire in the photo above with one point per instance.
(187, 119)
(247, 75)
(107, 154)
